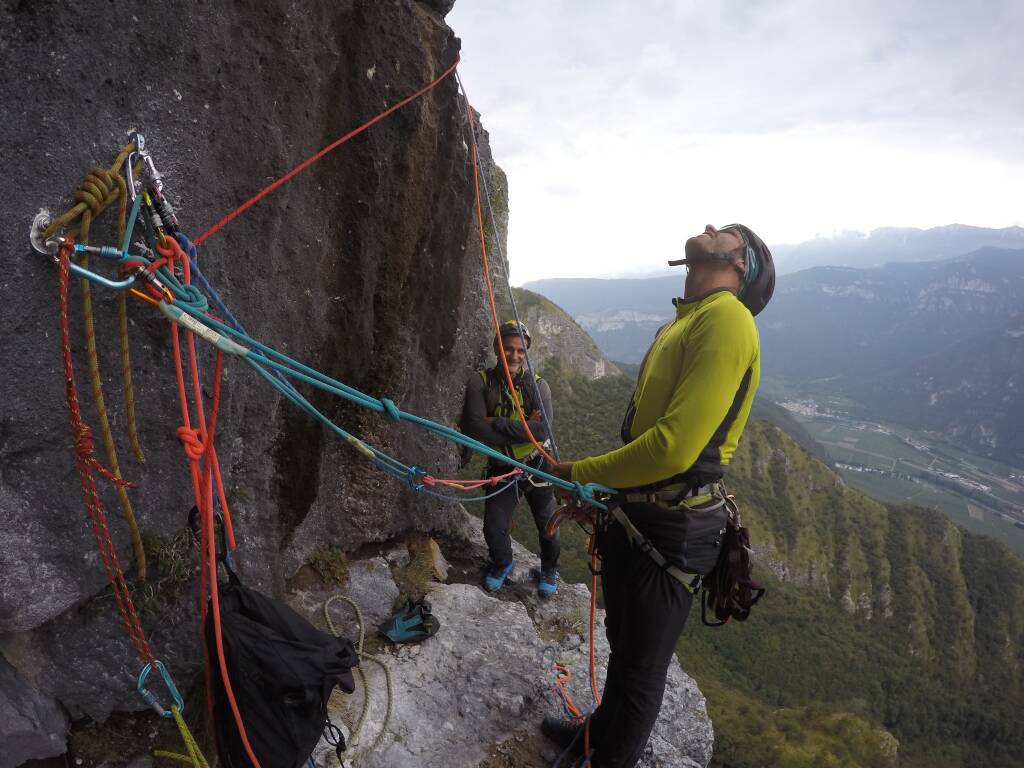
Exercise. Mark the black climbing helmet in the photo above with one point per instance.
(758, 270)
(758, 281)
(512, 328)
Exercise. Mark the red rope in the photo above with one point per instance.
(310, 160)
(86, 463)
(470, 485)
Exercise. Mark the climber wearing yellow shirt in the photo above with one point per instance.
(692, 400)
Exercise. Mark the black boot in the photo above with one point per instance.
(564, 732)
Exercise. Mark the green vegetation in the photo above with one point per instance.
(901, 467)
(527, 300)
(415, 579)
(331, 565)
(878, 620)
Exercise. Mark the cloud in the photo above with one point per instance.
(808, 115)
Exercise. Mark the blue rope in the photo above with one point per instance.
(388, 464)
(189, 247)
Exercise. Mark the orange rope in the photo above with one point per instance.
(198, 444)
(490, 287)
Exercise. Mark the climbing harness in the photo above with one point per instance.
(729, 590)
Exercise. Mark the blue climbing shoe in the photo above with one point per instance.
(547, 583)
(496, 575)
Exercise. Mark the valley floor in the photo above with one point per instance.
(900, 466)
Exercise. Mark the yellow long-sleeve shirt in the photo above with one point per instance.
(692, 398)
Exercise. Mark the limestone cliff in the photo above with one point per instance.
(557, 336)
(366, 266)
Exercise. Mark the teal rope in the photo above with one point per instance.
(190, 299)
(328, 384)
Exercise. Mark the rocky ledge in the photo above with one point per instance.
(474, 694)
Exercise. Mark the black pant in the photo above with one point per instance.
(646, 610)
(498, 512)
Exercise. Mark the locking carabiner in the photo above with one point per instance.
(146, 694)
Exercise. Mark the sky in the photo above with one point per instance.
(624, 128)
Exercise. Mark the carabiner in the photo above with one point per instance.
(172, 689)
(139, 141)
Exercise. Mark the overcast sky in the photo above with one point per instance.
(626, 127)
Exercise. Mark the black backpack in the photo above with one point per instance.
(729, 590)
(282, 671)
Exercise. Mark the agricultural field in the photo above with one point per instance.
(896, 465)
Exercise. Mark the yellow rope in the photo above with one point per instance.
(98, 191)
(195, 754)
(122, 324)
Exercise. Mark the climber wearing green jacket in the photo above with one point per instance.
(490, 415)
(691, 403)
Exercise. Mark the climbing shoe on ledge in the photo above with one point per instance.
(496, 575)
(413, 623)
(547, 583)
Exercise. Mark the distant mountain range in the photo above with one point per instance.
(934, 345)
(893, 244)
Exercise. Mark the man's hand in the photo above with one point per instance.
(535, 416)
(563, 470)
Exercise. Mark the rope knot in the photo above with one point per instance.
(190, 441)
(391, 410)
(95, 189)
(583, 492)
(83, 440)
(412, 478)
(191, 295)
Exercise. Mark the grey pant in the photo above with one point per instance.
(498, 512)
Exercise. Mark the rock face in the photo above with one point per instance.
(556, 335)
(475, 693)
(365, 266)
(31, 724)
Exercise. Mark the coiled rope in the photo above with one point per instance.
(98, 190)
(356, 730)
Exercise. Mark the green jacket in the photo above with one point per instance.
(487, 395)
(692, 398)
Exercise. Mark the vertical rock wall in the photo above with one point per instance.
(366, 266)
